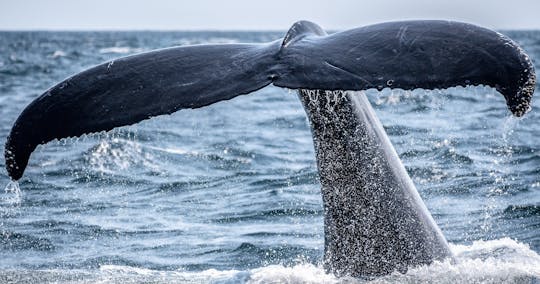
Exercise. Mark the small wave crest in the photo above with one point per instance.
(496, 261)
(120, 50)
(200, 40)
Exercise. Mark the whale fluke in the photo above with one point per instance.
(406, 55)
(375, 220)
(410, 55)
(130, 89)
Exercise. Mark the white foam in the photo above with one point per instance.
(120, 50)
(10, 201)
(200, 40)
(175, 150)
(496, 261)
(113, 155)
(301, 273)
(58, 53)
(13, 193)
(122, 274)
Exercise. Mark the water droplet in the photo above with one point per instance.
(13, 192)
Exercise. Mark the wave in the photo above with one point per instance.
(120, 50)
(13, 241)
(268, 214)
(206, 40)
(58, 53)
(497, 261)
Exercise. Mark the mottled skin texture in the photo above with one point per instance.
(375, 222)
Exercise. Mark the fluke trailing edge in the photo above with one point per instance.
(406, 55)
(375, 221)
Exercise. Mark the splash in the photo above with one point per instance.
(500, 172)
(120, 50)
(58, 53)
(497, 261)
(115, 154)
(327, 99)
(509, 124)
(10, 203)
(13, 192)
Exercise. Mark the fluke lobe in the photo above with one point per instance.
(375, 221)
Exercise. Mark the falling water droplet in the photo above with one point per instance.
(13, 192)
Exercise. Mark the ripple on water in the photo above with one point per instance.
(229, 193)
(13, 241)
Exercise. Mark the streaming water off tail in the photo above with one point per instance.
(229, 193)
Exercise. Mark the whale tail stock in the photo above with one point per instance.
(406, 55)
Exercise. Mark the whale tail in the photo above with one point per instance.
(130, 89)
(409, 55)
(406, 55)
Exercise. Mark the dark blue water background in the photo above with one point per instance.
(230, 192)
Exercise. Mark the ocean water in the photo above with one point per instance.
(229, 193)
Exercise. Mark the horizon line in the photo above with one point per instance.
(196, 30)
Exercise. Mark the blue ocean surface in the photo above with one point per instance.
(229, 193)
